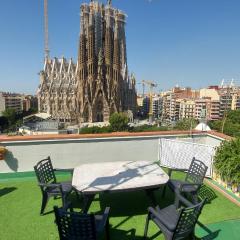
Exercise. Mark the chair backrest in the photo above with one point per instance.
(44, 171)
(196, 172)
(187, 220)
(72, 225)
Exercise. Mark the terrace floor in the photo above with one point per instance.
(20, 201)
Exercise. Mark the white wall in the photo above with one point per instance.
(67, 153)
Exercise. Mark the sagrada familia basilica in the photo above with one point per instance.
(99, 83)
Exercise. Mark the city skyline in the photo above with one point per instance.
(184, 43)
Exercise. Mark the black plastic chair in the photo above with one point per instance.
(175, 223)
(48, 183)
(74, 225)
(193, 180)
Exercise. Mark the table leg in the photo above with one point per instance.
(151, 196)
(87, 200)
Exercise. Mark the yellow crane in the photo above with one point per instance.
(151, 85)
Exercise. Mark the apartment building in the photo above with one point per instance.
(235, 101)
(16, 101)
(146, 105)
(11, 101)
(202, 108)
(209, 103)
(215, 110)
(187, 109)
(29, 102)
(177, 104)
(157, 107)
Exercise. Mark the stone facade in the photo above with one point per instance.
(99, 84)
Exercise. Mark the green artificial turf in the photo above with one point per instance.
(20, 202)
(222, 230)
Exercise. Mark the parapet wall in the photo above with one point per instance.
(69, 151)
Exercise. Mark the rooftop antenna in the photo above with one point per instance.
(222, 83)
(46, 29)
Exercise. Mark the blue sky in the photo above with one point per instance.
(186, 42)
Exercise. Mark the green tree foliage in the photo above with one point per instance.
(215, 125)
(10, 115)
(186, 124)
(3, 123)
(118, 122)
(227, 161)
(95, 129)
(148, 128)
(231, 124)
(10, 121)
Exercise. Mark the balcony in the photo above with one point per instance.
(20, 197)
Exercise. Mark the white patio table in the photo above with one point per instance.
(93, 178)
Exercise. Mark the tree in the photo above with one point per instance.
(118, 122)
(3, 123)
(230, 124)
(10, 115)
(186, 124)
(227, 161)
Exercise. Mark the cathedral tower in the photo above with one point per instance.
(98, 84)
(106, 87)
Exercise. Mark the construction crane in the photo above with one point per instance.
(151, 85)
(46, 29)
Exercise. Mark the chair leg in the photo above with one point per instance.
(176, 200)
(44, 203)
(64, 200)
(164, 191)
(146, 226)
(78, 195)
(107, 230)
(195, 198)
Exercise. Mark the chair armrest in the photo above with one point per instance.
(182, 185)
(56, 185)
(106, 215)
(184, 200)
(154, 212)
(49, 184)
(170, 170)
(158, 215)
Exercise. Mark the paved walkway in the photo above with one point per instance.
(221, 231)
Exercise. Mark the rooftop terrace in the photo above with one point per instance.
(20, 200)
(20, 196)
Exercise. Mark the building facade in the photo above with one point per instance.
(99, 83)
(11, 101)
(157, 107)
(18, 102)
(187, 109)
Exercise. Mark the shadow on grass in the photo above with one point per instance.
(124, 235)
(133, 203)
(47, 213)
(7, 190)
(210, 236)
